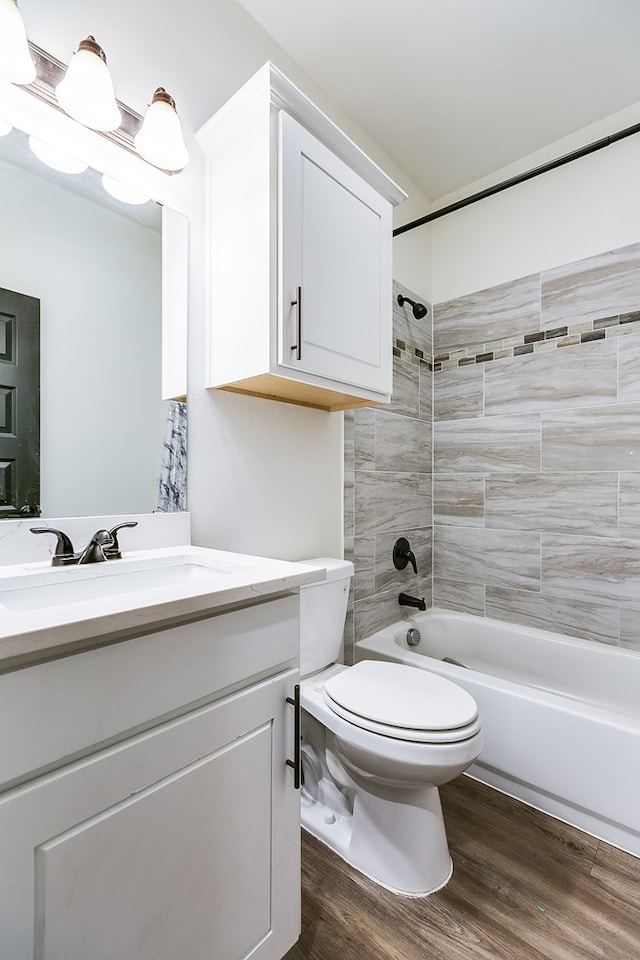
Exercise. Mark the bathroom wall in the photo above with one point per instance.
(263, 477)
(537, 449)
(586, 207)
(387, 490)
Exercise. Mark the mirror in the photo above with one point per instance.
(94, 264)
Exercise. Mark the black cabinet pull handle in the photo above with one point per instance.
(296, 763)
(298, 305)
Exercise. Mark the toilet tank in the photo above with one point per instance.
(323, 608)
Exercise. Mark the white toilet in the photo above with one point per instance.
(378, 739)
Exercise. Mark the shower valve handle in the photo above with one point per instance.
(403, 554)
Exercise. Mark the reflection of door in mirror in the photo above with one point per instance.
(19, 405)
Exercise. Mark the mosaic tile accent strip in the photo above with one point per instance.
(545, 340)
(412, 354)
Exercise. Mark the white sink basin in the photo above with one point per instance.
(46, 609)
(68, 585)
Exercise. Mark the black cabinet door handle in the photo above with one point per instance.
(297, 346)
(296, 763)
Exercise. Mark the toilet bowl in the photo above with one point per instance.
(378, 739)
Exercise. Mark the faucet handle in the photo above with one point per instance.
(403, 554)
(113, 551)
(64, 552)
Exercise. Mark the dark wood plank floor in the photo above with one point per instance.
(524, 887)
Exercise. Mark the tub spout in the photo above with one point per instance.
(406, 601)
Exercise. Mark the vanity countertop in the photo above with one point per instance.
(46, 612)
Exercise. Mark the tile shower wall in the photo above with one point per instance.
(388, 482)
(536, 449)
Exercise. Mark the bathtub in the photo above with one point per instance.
(561, 717)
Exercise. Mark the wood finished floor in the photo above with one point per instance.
(524, 887)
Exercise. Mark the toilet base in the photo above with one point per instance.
(395, 837)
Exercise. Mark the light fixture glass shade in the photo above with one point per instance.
(159, 140)
(56, 158)
(16, 64)
(86, 90)
(5, 128)
(122, 191)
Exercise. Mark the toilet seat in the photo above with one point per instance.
(403, 703)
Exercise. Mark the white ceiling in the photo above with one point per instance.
(455, 89)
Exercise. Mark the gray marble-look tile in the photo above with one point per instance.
(628, 369)
(406, 389)
(599, 286)
(487, 445)
(364, 564)
(374, 613)
(593, 568)
(459, 500)
(629, 505)
(556, 502)
(348, 548)
(497, 557)
(459, 595)
(348, 636)
(595, 438)
(349, 518)
(417, 333)
(458, 394)
(349, 500)
(364, 438)
(577, 376)
(426, 394)
(402, 445)
(425, 501)
(386, 501)
(348, 429)
(630, 627)
(508, 310)
(387, 577)
(574, 618)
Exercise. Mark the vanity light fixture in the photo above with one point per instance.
(56, 158)
(5, 128)
(159, 140)
(86, 90)
(16, 64)
(122, 191)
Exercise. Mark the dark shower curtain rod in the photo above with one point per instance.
(519, 178)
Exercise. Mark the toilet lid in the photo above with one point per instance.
(397, 696)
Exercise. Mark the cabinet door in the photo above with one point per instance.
(335, 263)
(182, 842)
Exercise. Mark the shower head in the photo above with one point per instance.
(419, 309)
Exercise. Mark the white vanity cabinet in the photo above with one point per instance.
(300, 253)
(147, 810)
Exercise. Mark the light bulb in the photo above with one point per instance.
(5, 128)
(86, 90)
(122, 191)
(159, 140)
(55, 157)
(16, 64)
